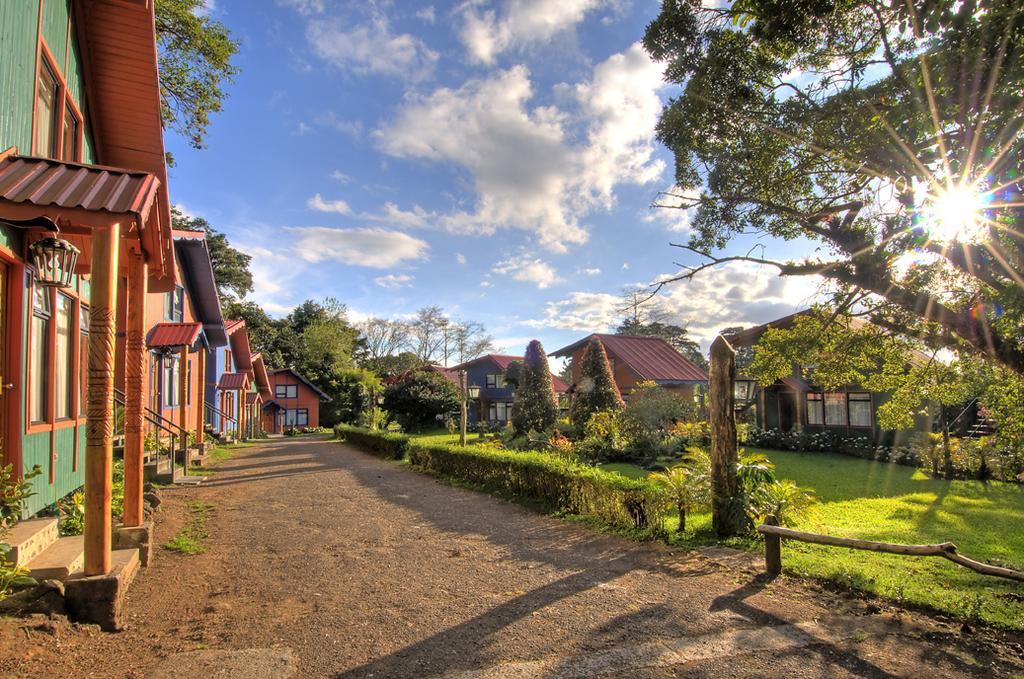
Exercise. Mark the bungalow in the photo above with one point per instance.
(85, 241)
(296, 402)
(793, 404)
(496, 398)
(640, 359)
(230, 380)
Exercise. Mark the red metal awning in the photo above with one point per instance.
(232, 381)
(167, 335)
(253, 398)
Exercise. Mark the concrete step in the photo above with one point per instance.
(59, 560)
(31, 538)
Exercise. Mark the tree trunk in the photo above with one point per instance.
(947, 454)
(682, 519)
(724, 490)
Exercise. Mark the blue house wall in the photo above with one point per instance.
(476, 376)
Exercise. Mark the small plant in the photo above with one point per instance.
(14, 492)
(189, 539)
(686, 487)
(72, 513)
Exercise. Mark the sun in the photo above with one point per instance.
(955, 214)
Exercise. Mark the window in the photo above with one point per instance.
(171, 370)
(286, 391)
(500, 411)
(83, 358)
(495, 381)
(47, 95)
(174, 305)
(815, 409)
(835, 410)
(296, 417)
(69, 145)
(39, 374)
(63, 382)
(860, 409)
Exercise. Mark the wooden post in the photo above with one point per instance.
(722, 409)
(464, 413)
(201, 401)
(772, 549)
(99, 446)
(183, 403)
(135, 388)
(241, 415)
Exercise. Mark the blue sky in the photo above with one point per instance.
(494, 158)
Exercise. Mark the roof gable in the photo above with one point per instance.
(279, 371)
(649, 358)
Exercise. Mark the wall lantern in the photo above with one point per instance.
(474, 392)
(744, 389)
(54, 260)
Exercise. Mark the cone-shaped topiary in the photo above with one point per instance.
(535, 407)
(595, 390)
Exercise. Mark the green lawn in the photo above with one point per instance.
(444, 436)
(892, 503)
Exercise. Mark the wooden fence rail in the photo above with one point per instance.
(774, 534)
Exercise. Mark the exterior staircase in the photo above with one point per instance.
(37, 546)
(983, 426)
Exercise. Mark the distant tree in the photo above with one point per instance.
(468, 340)
(536, 408)
(596, 391)
(744, 355)
(514, 374)
(393, 365)
(230, 265)
(565, 371)
(675, 335)
(195, 64)
(428, 331)
(416, 401)
(383, 337)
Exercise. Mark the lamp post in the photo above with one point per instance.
(463, 389)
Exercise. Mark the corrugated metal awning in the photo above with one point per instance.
(169, 335)
(232, 381)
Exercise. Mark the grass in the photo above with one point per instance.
(189, 539)
(892, 503)
(444, 436)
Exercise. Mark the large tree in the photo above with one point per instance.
(595, 391)
(230, 265)
(535, 408)
(195, 63)
(884, 134)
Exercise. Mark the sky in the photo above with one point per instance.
(494, 158)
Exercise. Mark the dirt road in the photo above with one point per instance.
(322, 561)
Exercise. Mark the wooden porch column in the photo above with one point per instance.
(134, 388)
(100, 407)
(241, 414)
(183, 401)
(201, 401)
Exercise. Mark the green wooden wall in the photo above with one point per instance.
(19, 28)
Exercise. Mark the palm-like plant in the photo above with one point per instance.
(784, 499)
(686, 487)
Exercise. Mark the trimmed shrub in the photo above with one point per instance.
(553, 482)
(388, 445)
(535, 409)
(596, 391)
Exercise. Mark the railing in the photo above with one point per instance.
(174, 431)
(228, 423)
(774, 534)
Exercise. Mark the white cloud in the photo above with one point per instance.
(370, 48)
(738, 293)
(394, 281)
(417, 217)
(272, 278)
(518, 24)
(340, 176)
(331, 120)
(427, 14)
(318, 203)
(460, 258)
(591, 272)
(529, 270)
(670, 211)
(375, 248)
(526, 170)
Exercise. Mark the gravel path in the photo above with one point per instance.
(322, 561)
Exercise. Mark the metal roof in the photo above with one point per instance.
(232, 381)
(252, 397)
(194, 257)
(650, 358)
(167, 335)
(45, 182)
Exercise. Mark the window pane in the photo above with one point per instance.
(814, 409)
(302, 418)
(70, 142)
(279, 391)
(835, 410)
(170, 382)
(860, 410)
(38, 379)
(64, 357)
(46, 102)
(293, 391)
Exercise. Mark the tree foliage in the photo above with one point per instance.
(858, 126)
(417, 400)
(595, 391)
(536, 408)
(195, 63)
(230, 265)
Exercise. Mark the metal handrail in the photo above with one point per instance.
(167, 423)
(161, 423)
(223, 415)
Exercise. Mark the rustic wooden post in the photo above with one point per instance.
(772, 549)
(99, 446)
(241, 415)
(134, 389)
(183, 403)
(722, 407)
(201, 401)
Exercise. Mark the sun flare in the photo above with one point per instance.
(955, 213)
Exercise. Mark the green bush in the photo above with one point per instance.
(551, 481)
(389, 445)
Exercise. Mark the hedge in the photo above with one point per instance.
(389, 445)
(556, 484)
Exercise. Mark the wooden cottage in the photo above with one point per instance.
(296, 402)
